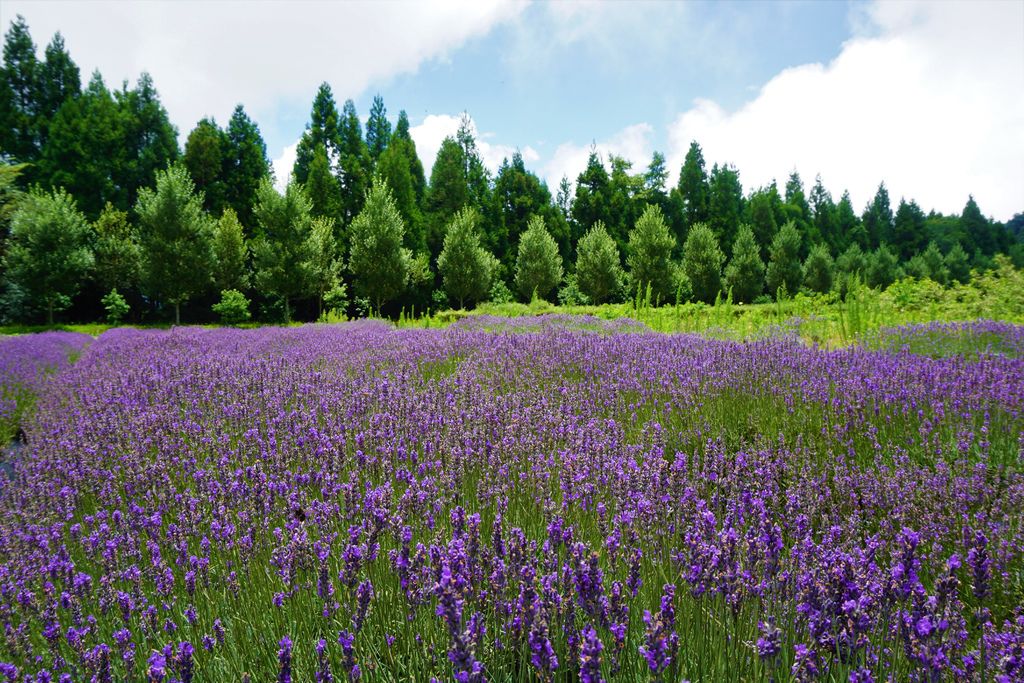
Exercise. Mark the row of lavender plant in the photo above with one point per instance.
(25, 363)
(360, 503)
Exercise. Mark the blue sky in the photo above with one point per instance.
(927, 96)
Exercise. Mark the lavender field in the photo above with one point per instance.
(522, 500)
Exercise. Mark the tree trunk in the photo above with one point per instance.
(177, 312)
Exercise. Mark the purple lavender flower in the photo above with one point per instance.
(284, 661)
(590, 656)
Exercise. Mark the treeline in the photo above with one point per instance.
(103, 215)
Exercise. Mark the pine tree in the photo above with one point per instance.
(958, 265)
(175, 236)
(976, 228)
(908, 230)
(322, 132)
(725, 206)
(465, 267)
(20, 100)
(818, 269)
(745, 273)
(230, 253)
(798, 210)
(448, 192)
(882, 268)
(849, 228)
(929, 264)
(419, 181)
(784, 268)
(395, 168)
(852, 265)
(378, 129)
(593, 196)
(377, 260)
(693, 187)
(280, 250)
(762, 219)
(48, 256)
(322, 187)
(625, 192)
(59, 81)
(823, 212)
(148, 141)
(599, 272)
(702, 262)
(877, 217)
(538, 264)
(355, 173)
(247, 166)
(519, 195)
(205, 159)
(649, 255)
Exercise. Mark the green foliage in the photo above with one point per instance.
(336, 300)
(115, 306)
(593, 195)
(878, 220)
(702, 263)
(321, 133)
(176, 239)
(322, 187)
(818, 269)
(378, 129)
(538, 265)
(570, 294)
(784, 268)
(354, 174)
(725, 204)
(599, 274)
(500, 293)
(649, 255)
(281, 248)
(397, 165)
(323, 264)
(852, 265)
(693, 187)
(205, 158)
(117, 251)
(908, 230)
(518, 195)
(882, 268)
(761, 213)
(466, 268)
(48, 255)
(744, 275)
(233, 307)
(230, 253)
(957, 264)
(247, 166)
(377, 260)
(929, 264)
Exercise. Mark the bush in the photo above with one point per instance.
(598, 271)
(649, 258)
(784, 269)
(570, 294)
(538, 265)
(818, 269)
(115, 306)
(233, 307)
(702, 262)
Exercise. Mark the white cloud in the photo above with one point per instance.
(632, 143)
(283, 166)
(928, 97)
(429, 135)
(205, 58)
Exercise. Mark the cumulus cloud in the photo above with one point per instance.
(569, 159)
(429, 135)
(205, 58)
(283, 165)
(928, 97)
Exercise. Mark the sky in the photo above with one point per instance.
(927, 96)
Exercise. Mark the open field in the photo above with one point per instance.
(553, 498)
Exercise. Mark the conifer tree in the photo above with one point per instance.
(702, 262)
(378, 129)
(280, 250)
(818, 269)
(230, 253)
(745, 273)
(377, 260)
(693, 186)
(465, 267)
(538, 264)
(649, 255)
(599, 272)
(784, 268)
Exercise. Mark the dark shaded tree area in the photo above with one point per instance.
(171, 231)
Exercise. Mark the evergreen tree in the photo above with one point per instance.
(205, 159)
(852, 264)
(784, 268)
(745, 273)
(321, 134)
(247, 165)
(175, 236)
(823, 213)
(117, 253)
(148, 142)
(849, 228)
(877, 217)
(378, 129)
(84, 149)
(599, 272)
(655, 181)
(624, 191)
(48, 255)
(355, 173)
(448, 193)
(323, 264)
(59, 81)
(929, 264)
(593, 196)
(702, 262)
(725, 205)
(538, 265)
(230, 253)
(958, 265)
(395, 167)
(976, 228)
(649, 255)
(518, 196)
(322, 187)
(797, 210)
(882, 268)
(693, 187)
(280, 250)
(478, 179)
(419, 181)
(10, 197)
(818, 269)
(761, 217)
(465, 267)
(20, 99)
(377, 260)
(908, 230)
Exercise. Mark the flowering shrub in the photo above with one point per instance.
(355, 502)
